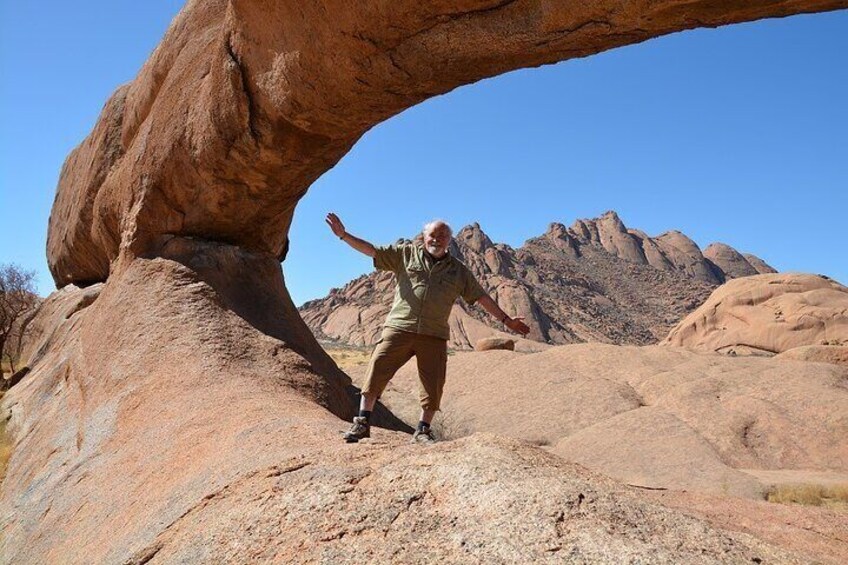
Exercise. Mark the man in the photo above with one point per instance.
(429, 280)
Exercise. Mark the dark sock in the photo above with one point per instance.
(422, 425)
(365, 414)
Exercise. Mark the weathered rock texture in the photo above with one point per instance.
(595, 281)
(653, 416)
(187, 412)
(770, 314)
(159, 426)
(818, 353)
(490, 343)
(816, 531)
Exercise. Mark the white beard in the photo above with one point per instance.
(433, 250)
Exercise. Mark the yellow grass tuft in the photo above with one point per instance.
(809, 494)
(347, 357)
(5, 447)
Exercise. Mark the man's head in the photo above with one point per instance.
(437, 237)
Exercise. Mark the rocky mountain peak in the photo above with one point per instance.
(595, 281)
(610, 218)
(761, 266)
(557, 230)
(561, 237)
(730, 261)
(473, 237)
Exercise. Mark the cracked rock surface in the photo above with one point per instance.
(162, 427)
(187, 412)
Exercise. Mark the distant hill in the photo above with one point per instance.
(597, 281)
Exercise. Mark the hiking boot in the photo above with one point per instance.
(424, 436)
(359, 430)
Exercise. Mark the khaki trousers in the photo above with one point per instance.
(395, 348)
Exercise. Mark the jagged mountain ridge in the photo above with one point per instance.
(596, 281)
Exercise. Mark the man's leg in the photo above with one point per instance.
(391, 352)
(427, 416)
(367, 401)
(432, 355)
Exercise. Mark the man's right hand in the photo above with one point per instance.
(336, 225)
(359, 244)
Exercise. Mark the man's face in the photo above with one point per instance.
(436, 240)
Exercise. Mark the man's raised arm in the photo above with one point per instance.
(339, 230)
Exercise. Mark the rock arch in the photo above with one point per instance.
(171, 412)
(246, 102)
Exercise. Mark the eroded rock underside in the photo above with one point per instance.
(187, 413)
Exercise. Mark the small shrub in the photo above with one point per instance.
(838, 493)
(450, 426)
(809, 494)
(347, 357)
(5, 447)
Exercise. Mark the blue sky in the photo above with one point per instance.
(738, 134)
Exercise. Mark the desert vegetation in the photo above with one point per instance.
(831, 496)
(5, 446)
(346, 356)
(17, 304)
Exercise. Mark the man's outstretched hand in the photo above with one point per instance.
(518, 326)
(335, 224)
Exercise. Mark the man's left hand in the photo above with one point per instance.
(518, 326)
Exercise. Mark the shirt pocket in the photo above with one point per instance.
(417, 276)
(447, 289)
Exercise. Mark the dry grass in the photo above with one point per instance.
(347, 357)
(5, 446)
(450, 426)
(6, 371)
(833, 496)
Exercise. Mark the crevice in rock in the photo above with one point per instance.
(442, 19)
(644, 487)
(17, 376)
(396, 65)
(408, 502)
(146, 554)
(745, 434)
(245, 87)
(86, 301)
(498, 6)
(729, 349)
(558, 34)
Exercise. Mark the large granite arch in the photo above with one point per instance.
(246, 102)
(183, 412)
